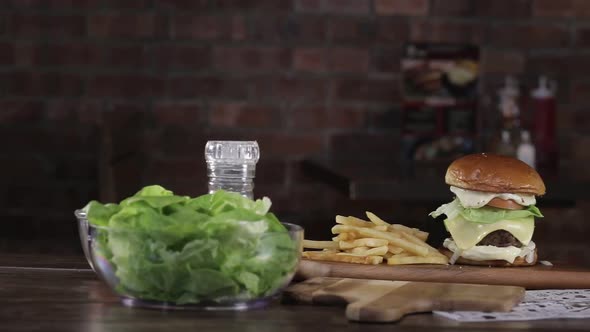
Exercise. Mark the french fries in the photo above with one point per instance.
(374, 242)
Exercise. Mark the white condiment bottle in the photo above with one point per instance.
(526, 149)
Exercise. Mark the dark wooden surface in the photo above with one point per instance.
(50, 293)
(382, 179)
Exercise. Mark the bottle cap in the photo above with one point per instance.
(525, 136)
(546, 88)
(505, 136)
(510, 88)
(232, 152)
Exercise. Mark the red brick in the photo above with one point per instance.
(125, 25)
(371, 90)
(207, 27)
(503, 8)
(550, 64)
(297, 29)
(309, 59)
(292, 89)
(308, 5)
(583, 36)
(452, 8)
(129, 4)
(253, 5)
(402, 7)
(181, 4)
(445, 31)
(58, 26)
(365, 146)
(25, 83)
(356, 7)
(189, 86)
(270, 171)
(125, 56)
(292, 145)
(125, 85)
(239, 115)
(23, 112)
(391, 30)
(348, 60)
(579, 93)
(182, 57)
(581, 153)
(387, 59)
(503, 62)
(78, 111)
(7, 53)
(322, 118)
(530, 36)
(53, 5)
(352, 30)
(251, 58)
(189, 114)
(68, 54)
(563, 8)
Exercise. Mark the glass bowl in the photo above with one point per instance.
(165, 270)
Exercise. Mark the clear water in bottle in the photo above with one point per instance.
(231, 166)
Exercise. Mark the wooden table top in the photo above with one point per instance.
(49, 293)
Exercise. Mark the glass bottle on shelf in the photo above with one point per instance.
(506, 147)
(231, 166)
(526, 149)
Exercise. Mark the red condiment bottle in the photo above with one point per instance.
(544, 124)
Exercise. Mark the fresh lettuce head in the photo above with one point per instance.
(182, 250)
(485, 214)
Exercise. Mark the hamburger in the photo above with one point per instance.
(491, 220)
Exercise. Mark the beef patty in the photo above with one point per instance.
(500, 238)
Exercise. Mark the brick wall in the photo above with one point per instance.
(303, 77)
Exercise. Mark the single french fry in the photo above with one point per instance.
(376, 220)
(395, 260)
(405, 229)
(363, 242)
(342, 257)
(310, 244)
(382, 228)
(412, 238)
(392, 238)
(378, 251)
(404, 254)
(352, 221)
(359, 250)
(422, 235)
(394, 249)
(331, 250)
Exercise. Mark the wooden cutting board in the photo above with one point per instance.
(389, 301)
(534, 277)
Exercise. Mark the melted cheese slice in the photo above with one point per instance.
(484, 253)
(477, 199)
(467, 234)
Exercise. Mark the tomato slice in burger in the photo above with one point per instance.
(505, 204)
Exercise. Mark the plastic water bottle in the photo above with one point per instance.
(231, 166)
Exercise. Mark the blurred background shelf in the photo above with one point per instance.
(390, 180)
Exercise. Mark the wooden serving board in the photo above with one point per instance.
(533, 277)
(389, 301)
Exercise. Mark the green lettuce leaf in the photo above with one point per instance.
(179, 249)
(485, 214)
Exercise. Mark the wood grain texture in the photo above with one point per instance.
(388, 301)
(534, 277)
(38, 298)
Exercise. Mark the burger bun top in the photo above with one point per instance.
(494, 173)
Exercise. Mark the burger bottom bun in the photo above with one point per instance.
(519, 261)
